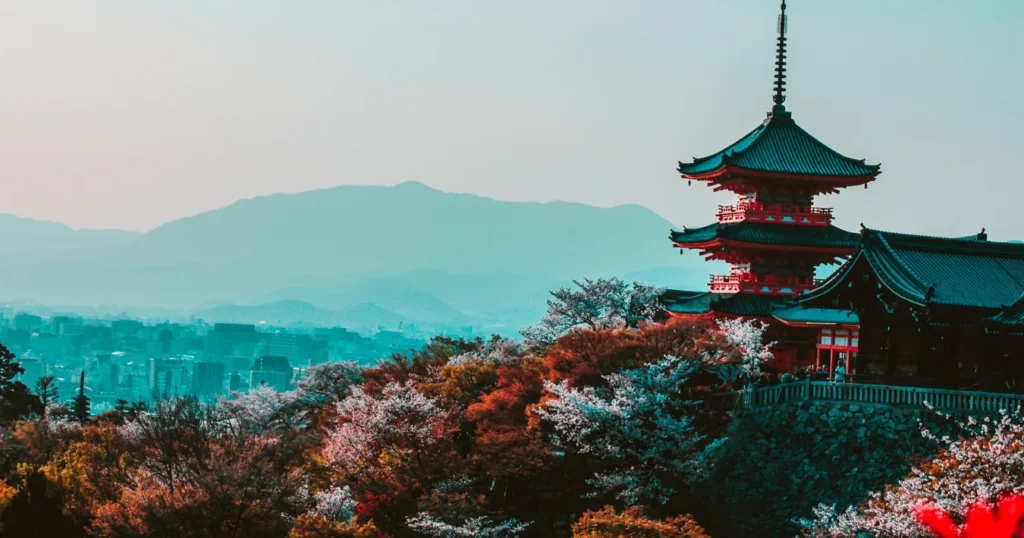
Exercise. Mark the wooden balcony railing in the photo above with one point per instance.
(771, 285)
(867, 394)
(775, 213)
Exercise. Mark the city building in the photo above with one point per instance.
(166, 378)
(233, 339)
(27, 322)
(59, 323)
(207, 378)
(273, 371)
(297, 348)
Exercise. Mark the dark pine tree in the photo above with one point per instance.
(16, 400)
(80, 406)
(46, 389)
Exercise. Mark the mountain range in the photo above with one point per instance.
(355, 255)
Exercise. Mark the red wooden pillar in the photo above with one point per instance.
(849, 355)
(831, 363)
(817, 358)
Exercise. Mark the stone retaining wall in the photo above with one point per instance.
(780, 462)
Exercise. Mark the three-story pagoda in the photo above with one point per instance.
(774, 236)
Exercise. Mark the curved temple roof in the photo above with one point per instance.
(1012, 315)
(923, 270)
(781, 146)
(769, 234)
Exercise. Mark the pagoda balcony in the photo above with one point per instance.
(775, 214)
(766, 285)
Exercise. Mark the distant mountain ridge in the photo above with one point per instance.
(40, 238)
(406, 252)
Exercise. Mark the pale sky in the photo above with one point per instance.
(128, 114)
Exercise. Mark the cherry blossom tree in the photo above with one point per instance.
(328, 382)
(259, 411)
(399, 425)
(478, 527)
(747, 336)
(596, 304)
(335, 504)
(499, 351)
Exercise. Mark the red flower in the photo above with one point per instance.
(982, 520)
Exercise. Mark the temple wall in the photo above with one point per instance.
(780, 462)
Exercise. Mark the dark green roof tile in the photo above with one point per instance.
(737, 304)
(970, 272)
(1012, 315)
(769, 234)
(834, 316)
(780, 145)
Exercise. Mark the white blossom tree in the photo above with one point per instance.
(502, 351)
(335, 504)
(478, 527)
(328, 382)
(747, 335)
(985, 464)
(596, 304)
(400, 422)
(259, 411)
(638, 425)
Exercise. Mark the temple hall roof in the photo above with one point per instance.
(1011, 317)
(781, 146)
(798, 315)
(769, 234)
(925, 270)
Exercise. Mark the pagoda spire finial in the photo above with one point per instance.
(780, 59)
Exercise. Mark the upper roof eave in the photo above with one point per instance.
(779, 145)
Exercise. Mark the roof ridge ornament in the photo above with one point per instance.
(780, 58)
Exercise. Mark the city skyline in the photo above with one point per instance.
(129, 116)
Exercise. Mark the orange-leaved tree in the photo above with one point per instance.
(632, 522)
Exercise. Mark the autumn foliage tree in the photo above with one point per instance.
(465, 437)
(633, 522)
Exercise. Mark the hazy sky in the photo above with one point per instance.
(120, 113)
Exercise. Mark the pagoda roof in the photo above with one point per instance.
(780, 146)
(768, 234)
(738, 304)
(923, 270)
